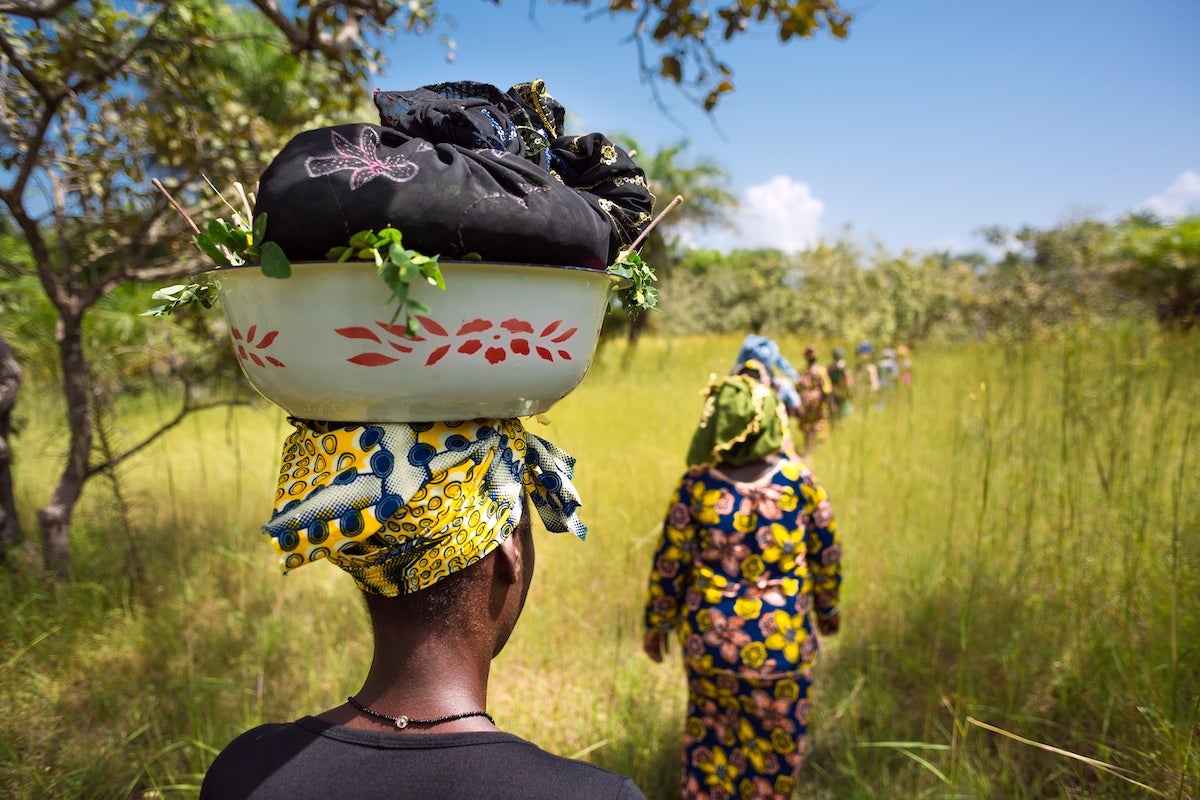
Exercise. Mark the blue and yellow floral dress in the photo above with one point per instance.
(740, 571)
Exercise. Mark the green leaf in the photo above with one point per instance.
(641, 292)
(211, 249)
(179, 296)
(671, 69)
(260, 228)
(168, 292)
(391, 276)
(275, 263)
(219, 232)
(433, 274)
(390, 236)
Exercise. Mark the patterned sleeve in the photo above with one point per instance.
(672, 560)
(823, 545)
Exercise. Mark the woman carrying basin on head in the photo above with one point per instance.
(432, 522)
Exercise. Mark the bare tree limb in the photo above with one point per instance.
(35, 9)
(37, 246)
(310, 38)
(184, 411)
(33, 146)
(300, 40)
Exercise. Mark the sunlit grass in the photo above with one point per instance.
(1021, 556)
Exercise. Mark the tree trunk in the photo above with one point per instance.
(637, 325)
(55, 517)
(10, 383)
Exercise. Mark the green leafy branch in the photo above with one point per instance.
(398, 266)
(234, 244)
(640, 293)
(239, 241)
(228, 244)
(180, 295)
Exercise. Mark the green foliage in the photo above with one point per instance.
(687, 33)
(1018, 550)
(398, 266)
(701, 184)
(640, 294)
(227, 244)
(179, 296)
(1160, 263)
(1082, 272)
(231, 244)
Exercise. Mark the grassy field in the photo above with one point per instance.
(1022, 568)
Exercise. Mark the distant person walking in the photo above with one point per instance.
(866, 374)
(842, 380)
(747, 566)
(904, 362)
(816, 396)
(782, 375)
(889, 369)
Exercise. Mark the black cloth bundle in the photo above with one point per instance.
(459, 168)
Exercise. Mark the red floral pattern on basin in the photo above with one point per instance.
(496, 341)
(247, 341)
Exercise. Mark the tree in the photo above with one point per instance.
(100, 97)
(706, 202)
(688, 35)
(1161, 264)
(10, 384)
(98, 100)
(1048, 277)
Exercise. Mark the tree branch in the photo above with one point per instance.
(309, 37)
(35, 9)
(299, 39)
(37, 246)
(187, 409)
(33, 155)
(28, 74)
(109, 69)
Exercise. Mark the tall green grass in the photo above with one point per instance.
(1022, 569)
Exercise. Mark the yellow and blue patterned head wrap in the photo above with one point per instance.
(400, 506)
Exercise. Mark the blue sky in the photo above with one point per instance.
(933, 118)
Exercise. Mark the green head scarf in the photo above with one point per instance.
(741, 422)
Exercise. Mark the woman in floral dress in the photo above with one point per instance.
(748, 560)
(816, 396)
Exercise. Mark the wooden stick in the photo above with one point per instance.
(178, 207)
(670, 207)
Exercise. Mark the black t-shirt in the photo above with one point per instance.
(314, 759)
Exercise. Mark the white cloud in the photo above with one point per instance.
(1181, 197)
(781, 213)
